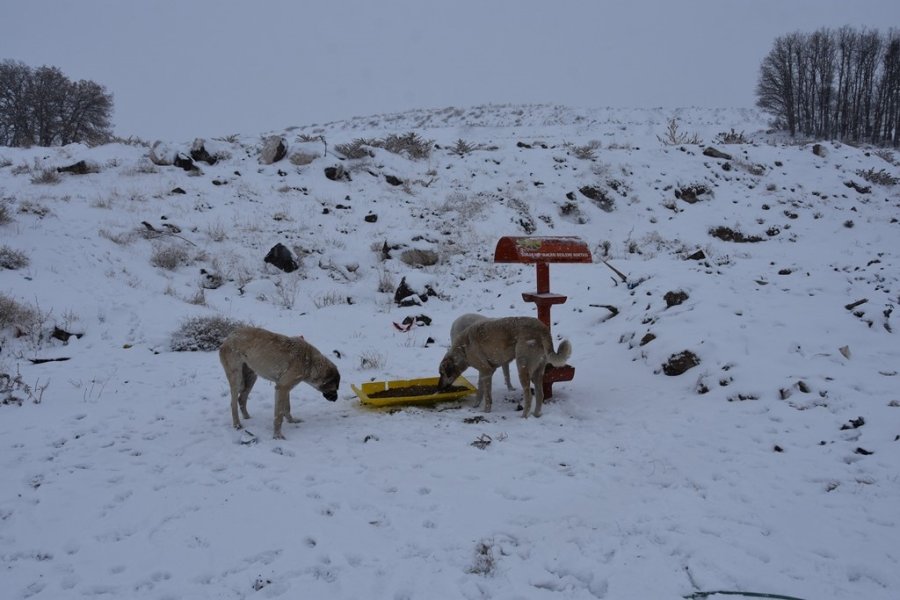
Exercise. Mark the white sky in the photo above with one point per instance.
(187, 68)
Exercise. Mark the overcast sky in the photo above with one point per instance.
(179, 69)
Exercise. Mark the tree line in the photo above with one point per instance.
(43, 107)
(839, 84)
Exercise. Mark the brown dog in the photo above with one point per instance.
(286, 361)
(494, 342)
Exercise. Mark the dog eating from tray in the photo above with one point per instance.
(491, 343)
(476, 341)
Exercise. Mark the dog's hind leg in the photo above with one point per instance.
(234, 373)
(537, 376)
(249, 378)
(525, 381)
(509, 385)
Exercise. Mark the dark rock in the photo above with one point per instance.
(675, 298)
(177, 190)
(337, 173)
(692, 193)
(862, 189)
(714, 153)
(599, 197)
(200, 154)
(418, 320)
(406, 296)
(79, 168)
(819, 150)
(698, 255)
(391, 179)
(210, 281)
(570, 196)
(649, 337)
(63, 335)
(854, 424)
(403, 291)
(371, 218)
(184, 162)
(726, 234)
(282, 258)
(681, 362)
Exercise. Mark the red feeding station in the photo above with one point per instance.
(542, 251)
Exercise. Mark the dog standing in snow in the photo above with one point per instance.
(286, 361)
(465, 321)
(493, 342)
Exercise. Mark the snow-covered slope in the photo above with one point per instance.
(771, 466)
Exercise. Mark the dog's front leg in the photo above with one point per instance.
(281, 406)
(287, 414)
(485, 380)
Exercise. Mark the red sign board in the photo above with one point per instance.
(529, 249)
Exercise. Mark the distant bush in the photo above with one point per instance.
(731, 137)
(419, 258)
(203, 334)
(46, 177)
(675, 137)
(13, 313)
(409, 144)
(462, 147)
(5, 213)
(880, 177)
(12, 259)
(358, 148)
(586, 152)
(169, 257)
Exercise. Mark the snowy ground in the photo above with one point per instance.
(750, 472)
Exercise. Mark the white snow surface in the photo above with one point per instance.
(744, 474)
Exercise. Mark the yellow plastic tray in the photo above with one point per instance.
(365, 389)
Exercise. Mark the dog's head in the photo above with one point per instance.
(452, 366)
(330, 383)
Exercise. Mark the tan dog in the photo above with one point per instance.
(493, 342)
(465, 321)
(286, 361)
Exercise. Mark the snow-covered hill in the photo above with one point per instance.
(770, 466)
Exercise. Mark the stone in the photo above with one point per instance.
(282, 258)
(274, 149)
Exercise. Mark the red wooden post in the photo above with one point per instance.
(541, 251)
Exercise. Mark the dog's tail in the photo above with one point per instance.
(559, 358)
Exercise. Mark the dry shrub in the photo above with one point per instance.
(419, 258)
(5, 212)
(13, 313)
(203, 334)
(332, 298)
(12, 259)
(358, 148)
(46, 177)
(169, 257)
(586, 152)
(675, 137)
(880, 177)
(731, 137)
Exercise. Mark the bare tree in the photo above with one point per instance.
(43, 107)
(14, 118)
(843, 84)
